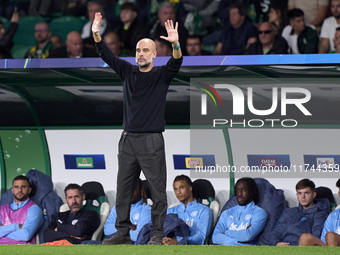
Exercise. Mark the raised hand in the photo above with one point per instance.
(96, 23)
(172, 32)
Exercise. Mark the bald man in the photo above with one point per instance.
(141, 146)
(113, 42)
(74, 48)
(269, 42)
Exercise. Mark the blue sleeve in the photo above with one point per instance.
(202, 228)
(109, 227)
(145, 218)
(275, 235)
(329, 226)
(32, 223)
(319, 222)
(5, 230)
(218, 236)
(258, 222)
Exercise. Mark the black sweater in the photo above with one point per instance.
(144, 92)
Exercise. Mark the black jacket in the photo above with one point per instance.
(6, 43)
(280, 46)
(70, 225)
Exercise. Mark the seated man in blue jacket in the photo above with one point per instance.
(140, 214)
(330, 234)
(241, 224)
(75, 225)
(197, 216)
(308, 217)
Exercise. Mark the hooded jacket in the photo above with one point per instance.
(296, 221)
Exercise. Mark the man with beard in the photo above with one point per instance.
(328, 29)
(20, 220)
(241, 224)
(75, 225)
(42, 34)
(141, 146)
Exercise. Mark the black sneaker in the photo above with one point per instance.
(117, 239)
(155, 240)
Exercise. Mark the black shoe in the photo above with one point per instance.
(117, 239)
(155, 240)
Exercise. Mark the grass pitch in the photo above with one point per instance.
(163, 250)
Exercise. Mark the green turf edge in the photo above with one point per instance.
(163, 250)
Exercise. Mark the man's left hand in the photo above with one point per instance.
(172, 32)
(169, 241)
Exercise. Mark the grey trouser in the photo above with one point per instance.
(141, 152)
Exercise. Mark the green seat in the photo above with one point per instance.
(63, 25)
(18, 51)
(210, 47)
(25, 32)
(5, 21)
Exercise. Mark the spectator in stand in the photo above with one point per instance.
(235, 34)
(269, 42)
(195, 46)
(278, 17)
(6, 37)
(113, 42)
(56, 41)
(202, 15)
(301, 39)
(166, 11)
(8, 7)
(74, 48)
(44, 8)
(93, 7)
(76, 8)
(223, 9)
(130, 31)
(315, 10)
(42, 34)
(113, 10)
(163, 48)
(328, 29)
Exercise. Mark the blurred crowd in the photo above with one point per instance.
(206, 27)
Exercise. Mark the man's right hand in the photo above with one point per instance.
(15, 17)
(96, 23)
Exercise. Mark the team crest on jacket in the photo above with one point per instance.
(247, 217)
(136, 216)
(74, 222)
(194, 213)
